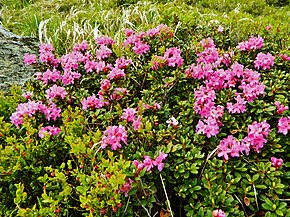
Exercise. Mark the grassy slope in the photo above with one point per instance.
(65, 22)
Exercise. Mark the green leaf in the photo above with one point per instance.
(279, 213)
(261, 186)
(267, 206)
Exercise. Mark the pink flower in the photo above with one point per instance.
(50, 130)
(51, 112)
(284, 125)
(92, 102)
(264, 61)
(103, 52)
(119, 93)
(148, 163)
(158, 161)
(27, 95)
(173, 57)
(105, 84)
(238, 107)
(228, 146)
(277, 163)
(55, 92)
(113, 136)
(29, 59)
(104, 40)
(129, 114)
(141, 48)
(81, 47)
(269, 27)
(138, 165)
(122, 63)
(24, 109)
(208, 127)
(69, 77)
(126, 187)
(218, 213)
(128, 32)
(49, 75)
(116, 74)
(253, 43)
(137, 123)
(220, 29)
(46, 48)
(280, 108)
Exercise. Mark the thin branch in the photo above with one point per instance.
(208, 157)
(168, 202)
(148, 213)
(127, 205)
(242, 205)
(256, 200)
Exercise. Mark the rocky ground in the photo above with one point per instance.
(12, 49)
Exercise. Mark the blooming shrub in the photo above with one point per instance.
(164, 123)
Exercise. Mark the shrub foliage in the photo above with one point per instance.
(181, 121)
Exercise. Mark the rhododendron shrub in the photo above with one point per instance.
(164, 122)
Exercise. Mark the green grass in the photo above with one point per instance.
(66, 22)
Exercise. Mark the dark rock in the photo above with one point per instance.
(12, 50)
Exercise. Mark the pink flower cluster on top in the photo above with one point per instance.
(113, 136)
(92, 102)
(218, 213)
(257, 134)
(277, 163)
(284, 125)
(148, 163)
(55, 92)
(129, 115)
(140, 47)
(280, 108)
(104, 40)
(264, 61)
(46, 56)
(31, 108)
(29, 59)
(50, 130)
(216, 79)
(253, 43)
(126, 187)
(284, 57)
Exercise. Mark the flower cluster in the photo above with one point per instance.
(284, 125)
(55, 92)
(218, 213)
(126, 187)
(264, 61)
(140, 47)
(216, 79)
(113, 136)
(50, 130)
(284, 57)
(148, 163)
(253, 43)
(92, 102)
(173, 57)
(29, 59)
(277, 163)
(46, 56)
(256, 138)
(129, 115)
(280, 108)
